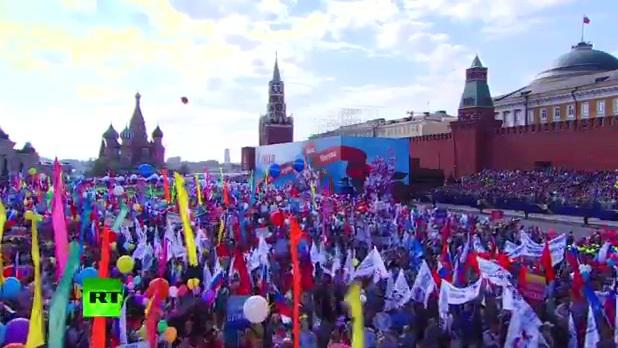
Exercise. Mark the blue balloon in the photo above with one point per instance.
(10, 288)
(274, 170)
(2, 333)
(146, 170)
(88, 272)
(137, 280)
(299, 165)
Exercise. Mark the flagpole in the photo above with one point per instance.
(583, 23)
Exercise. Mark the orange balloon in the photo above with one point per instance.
(158, 283)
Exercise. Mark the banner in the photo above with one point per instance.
(534, 287)
(450, 295)
(557, 247)
(493, 272)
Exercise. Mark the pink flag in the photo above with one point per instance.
(59, 222)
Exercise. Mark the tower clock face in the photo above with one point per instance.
(277, 88)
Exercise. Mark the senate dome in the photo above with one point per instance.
(582, 59)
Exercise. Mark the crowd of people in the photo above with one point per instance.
(564, 187)
(336, 270)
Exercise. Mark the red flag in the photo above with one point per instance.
(226, 196)
(99, 324)
(521, 277)
(166, 186)
(546, 262)
(295, 237)
(240, 266)
(504, 261)
(578, 281)
(586, 20)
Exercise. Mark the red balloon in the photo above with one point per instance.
(184, 100)
(161, 284)
(276, 217)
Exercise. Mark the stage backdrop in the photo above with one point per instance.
(343, 162)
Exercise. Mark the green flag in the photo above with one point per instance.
(60, 300)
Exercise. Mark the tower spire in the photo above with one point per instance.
(276, 75)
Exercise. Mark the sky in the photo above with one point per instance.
(69, 68)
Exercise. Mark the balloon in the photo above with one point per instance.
(15, 345)
(162, 325)
(182, 290)
(137, 280)
(299, 165)
(88, 272)
(611, 262)
(382, 321)
(193, 283)
(138, 300)
(130, 286)
(184, 100)
(158, 283)
(208, 296)
(118, 190)
(16, 331)
(173, 291)
(276, 217)
(146, 170)
(125, 264)
(274, 170)
(32, 171)
(255, 309)
(10, 288)
(2, 332)
(169, 335)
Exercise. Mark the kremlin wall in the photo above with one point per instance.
(567, 117)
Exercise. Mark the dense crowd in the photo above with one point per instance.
(564, 187)
(336, 270)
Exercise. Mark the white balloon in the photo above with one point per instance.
(118, 190)
(255, 309)
(173, 291)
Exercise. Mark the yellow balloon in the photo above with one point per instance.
(32, 171)
(125, 264)
(354, 262)
(193, 283)
(169, 335)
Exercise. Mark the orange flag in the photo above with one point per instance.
(166, 186)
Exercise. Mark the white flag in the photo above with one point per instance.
(401, 291)
(389, 304)
(572, 332)
(450, 295)
(423, 285)
(592, 334)
(493, 272)
(380, 271)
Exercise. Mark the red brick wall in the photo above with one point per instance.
(583, 145)
(433, 152)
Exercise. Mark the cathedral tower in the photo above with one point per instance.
(276, 126)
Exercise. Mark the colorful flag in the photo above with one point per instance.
(592, 333)
(356, 312)
(546, 261)
(198, 190)
(60, 299)
(183, 208)
(295, 237)
(36, 333)
(98, 335)
(2, 222)
(59, 223)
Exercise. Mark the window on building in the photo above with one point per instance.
(600, 107)
(571, 111)
(530, 116)
(543, 115)
(615, 111)
(497, 116)
(506, 117)
(585, 110)
(517, 117)
(557, 113)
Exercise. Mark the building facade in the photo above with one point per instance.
(581, 84)
(132, 147)
(276, 126)
(16, 160)
(478, 140)
(414, 125)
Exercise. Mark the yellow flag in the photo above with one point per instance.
(356, 311)
(221, 230)
(2, 222)
(183, 208)
(36, 334)
(199, 190)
